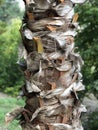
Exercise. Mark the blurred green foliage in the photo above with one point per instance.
(9, 9)
(91, 123)
(11, 77)
(87, 41)
(1, 1)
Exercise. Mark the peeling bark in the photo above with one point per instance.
(51, 67)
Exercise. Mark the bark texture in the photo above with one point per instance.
(51, 67)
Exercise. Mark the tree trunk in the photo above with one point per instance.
(51, 66)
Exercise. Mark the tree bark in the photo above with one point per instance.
(51, 66)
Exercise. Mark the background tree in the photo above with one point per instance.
(87, 40)
(9, 9)
(10, 77)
